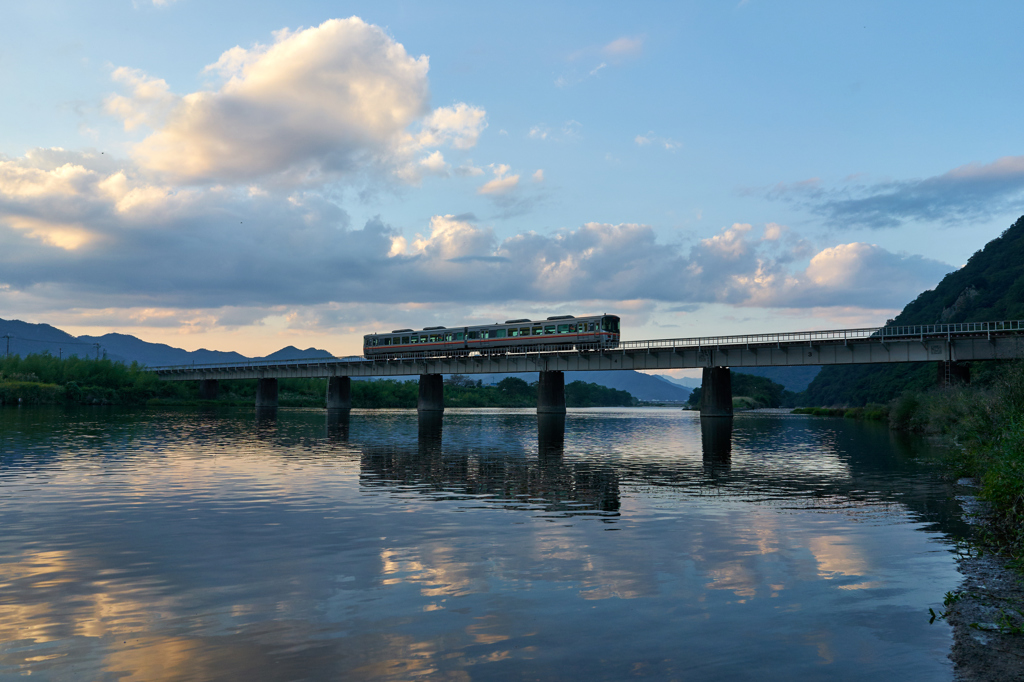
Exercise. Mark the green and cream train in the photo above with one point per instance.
(561, 332)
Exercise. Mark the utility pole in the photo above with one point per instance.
(97, 350)
(8, 337)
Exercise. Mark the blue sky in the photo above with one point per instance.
(248, 175)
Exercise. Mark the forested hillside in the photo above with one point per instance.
(989, 287)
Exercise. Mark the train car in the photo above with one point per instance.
(561, 332)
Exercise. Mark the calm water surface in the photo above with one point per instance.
(183, 545)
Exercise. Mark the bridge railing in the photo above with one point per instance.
(834, 335)
(881, 334)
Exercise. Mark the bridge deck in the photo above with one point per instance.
(922, 343)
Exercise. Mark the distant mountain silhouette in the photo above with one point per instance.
(27, 338)
(293, 353)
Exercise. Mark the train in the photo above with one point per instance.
(557, 333)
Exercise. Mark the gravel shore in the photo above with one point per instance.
(991, 602)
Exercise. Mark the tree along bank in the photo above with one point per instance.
(47, 380)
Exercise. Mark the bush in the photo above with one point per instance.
(986, 428)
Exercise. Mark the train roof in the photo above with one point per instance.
(524, 320)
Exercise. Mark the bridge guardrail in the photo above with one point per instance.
(882, 334)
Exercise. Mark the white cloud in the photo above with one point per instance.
(502, 182)
(316, 104)
(150, 102)
(538, 133)
(625, 47)
(772, 231)
(459, 125)
(538, 175)
(435, 164)
(650, 138)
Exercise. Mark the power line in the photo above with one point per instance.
(23, 338)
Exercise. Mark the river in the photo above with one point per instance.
(178, 544)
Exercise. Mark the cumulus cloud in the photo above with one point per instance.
(502, 182)
(322, 102)
(974, 192)
(79, 232)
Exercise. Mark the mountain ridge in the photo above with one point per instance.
(988, 288)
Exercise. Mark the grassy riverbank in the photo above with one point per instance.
(985, 427)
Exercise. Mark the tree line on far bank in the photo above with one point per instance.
(46, 380)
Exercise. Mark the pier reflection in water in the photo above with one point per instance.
(169, 545)
(716, 444)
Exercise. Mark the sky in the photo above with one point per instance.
(250, 175)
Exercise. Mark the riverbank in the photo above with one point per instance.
(985, 612)
(983, 429)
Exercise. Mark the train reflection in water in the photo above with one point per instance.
(584, 462)
(508, 475)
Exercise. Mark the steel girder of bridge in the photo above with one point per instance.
(923, 343)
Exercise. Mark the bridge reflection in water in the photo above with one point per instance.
(580, 463)
(546, 482)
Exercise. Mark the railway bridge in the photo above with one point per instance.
(950, 346)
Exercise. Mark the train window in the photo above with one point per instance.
(434, 338)
(472, 335)
(537, 331)
(549, 329)
(485, 334)
(563, 329)
(448, 336)
(572, 329)
(415, 339)
(405, 340)
(499, 333)
(387, 342)
(513, 332)
(423, 338)
(458, 336)
(524, 331)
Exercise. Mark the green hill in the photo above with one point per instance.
(989, 287)
(761, 391)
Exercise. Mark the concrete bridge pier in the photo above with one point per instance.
(716, 392)
(431, 398)
(266, 393)
(208, 389)
(951, 373)
(551, 393)
(339, 393)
